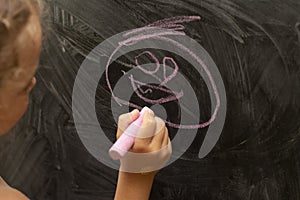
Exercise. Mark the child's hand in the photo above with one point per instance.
(152, 147)
(150, 152)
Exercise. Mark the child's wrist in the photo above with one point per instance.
(140, 175)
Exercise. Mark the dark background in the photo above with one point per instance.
(255, 45)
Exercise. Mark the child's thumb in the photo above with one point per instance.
(147, 129)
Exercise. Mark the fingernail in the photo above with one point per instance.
(134, 112)
(151, 112)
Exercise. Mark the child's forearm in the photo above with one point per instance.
(134, 186)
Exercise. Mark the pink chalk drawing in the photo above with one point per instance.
(164, 75)
(170, 26)
(137, 85)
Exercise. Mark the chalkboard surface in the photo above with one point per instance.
(253, 45)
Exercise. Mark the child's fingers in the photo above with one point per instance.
(125, 120)
(147, 129)
(160, 134)
(166, 139)
(148, 118)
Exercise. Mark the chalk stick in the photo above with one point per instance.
(125, 142)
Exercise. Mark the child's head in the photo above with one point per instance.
(20, 42)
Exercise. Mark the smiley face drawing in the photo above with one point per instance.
(145, 79)
(138, 85)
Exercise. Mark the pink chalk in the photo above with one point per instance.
(125, 142)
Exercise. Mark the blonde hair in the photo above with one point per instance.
(14, 15)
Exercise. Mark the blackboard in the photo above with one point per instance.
(255, 48)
